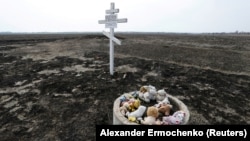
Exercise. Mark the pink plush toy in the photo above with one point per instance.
(176, 119)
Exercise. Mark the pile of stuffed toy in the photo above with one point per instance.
(160, 113)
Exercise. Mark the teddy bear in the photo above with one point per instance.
(176, 119)
(147, 93)
(164, 101)
(165, 109)
(151, 118)
(161, 94)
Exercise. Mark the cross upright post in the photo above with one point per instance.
(111, 23)
(111, 49)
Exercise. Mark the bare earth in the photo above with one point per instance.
(58, 86)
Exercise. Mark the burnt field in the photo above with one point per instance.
(58, 86)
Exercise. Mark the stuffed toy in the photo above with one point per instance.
(123, 99)
(176, 119)
(135, 94)
(133, 119)
(130, 105)
(161, 94)
(124, 108)
(164, 101)
(128, 96)
(143, 89)
(137, 113)
(165, 109)
(134, 104)
(151, 118)
(147, 93)
(131, 95)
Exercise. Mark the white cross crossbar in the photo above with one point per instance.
(118, 21)
(111, 11)
(112, 38)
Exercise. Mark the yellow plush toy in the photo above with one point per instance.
(136, 103)
(133, 104)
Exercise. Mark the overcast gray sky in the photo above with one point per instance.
(193, 16)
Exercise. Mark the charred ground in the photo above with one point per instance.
(58, 87)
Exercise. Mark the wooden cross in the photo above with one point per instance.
(111, 22)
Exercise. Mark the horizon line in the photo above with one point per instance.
(82, 32)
